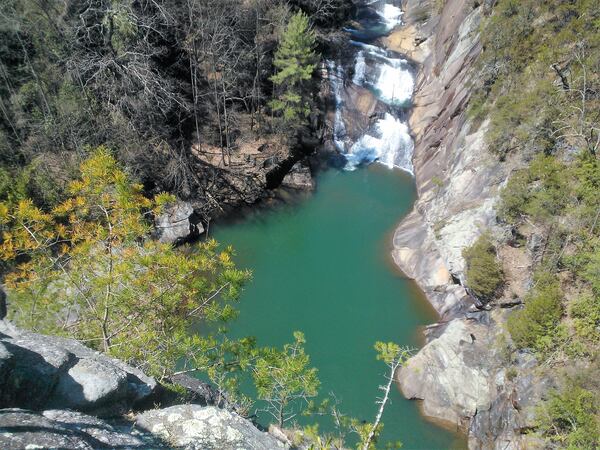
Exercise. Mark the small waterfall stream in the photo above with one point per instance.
(385, 75)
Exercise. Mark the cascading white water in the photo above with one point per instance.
(336, 80)
(389, 143)
(391, 80)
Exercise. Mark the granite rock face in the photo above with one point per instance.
(22, 429)
(299, 178)
(458, 375)
(174, 225)
(39, 372)
(452, 374)
(197, 427)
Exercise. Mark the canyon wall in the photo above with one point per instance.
(459, 374)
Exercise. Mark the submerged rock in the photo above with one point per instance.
(197, 427)
(39, 372)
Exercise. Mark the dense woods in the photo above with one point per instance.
(164, 84)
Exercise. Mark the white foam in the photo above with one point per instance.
(395, 83)
(390, 144)
(336, 80)
(360, 67)
(392, 15)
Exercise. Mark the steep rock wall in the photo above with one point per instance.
(459, 374)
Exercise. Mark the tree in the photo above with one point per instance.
(295, 61)
(535, 325)
(393, 356)
(284, 379)
(484, 273)
(87, 269)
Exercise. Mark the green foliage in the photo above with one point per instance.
(284, 379)
(535, 326)
(585, 312)
(86, 269)
(537, 58)
(571, 417)
(295, 62)
(541, 191)
(484, 274)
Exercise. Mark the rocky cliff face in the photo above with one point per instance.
(459, 374)
(53, 392)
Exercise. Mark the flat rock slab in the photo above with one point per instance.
(197, 427)
(22, 429)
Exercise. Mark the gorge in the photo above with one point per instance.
(326, 255)
(211, 210)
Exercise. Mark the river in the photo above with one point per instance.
(321, 264)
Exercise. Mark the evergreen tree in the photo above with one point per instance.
(284, 379)
(87, 270)
(295, 61)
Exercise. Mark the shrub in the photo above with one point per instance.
(483, 275)
(586, 318)
(535, 326)
(571, 417)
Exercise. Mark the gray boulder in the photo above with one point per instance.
(41, 372)
(197, 427)
(452, 374)
(174, 224)
(299, 177)
(21, 429)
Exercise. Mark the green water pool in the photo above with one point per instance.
(322, 265)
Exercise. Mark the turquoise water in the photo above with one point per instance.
(321, 265)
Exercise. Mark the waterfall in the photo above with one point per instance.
(391, 15)
(391, 80)
(336, 80)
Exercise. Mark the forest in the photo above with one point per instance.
(168, 86)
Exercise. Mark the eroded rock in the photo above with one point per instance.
(452, 374)
(40, 372)
(174, 224)
(22, 429)
(197, 427)
(299, 178)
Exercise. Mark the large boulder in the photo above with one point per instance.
(22, 429)
(174, 225)
(197, 427)
(299, 177)
(453, 374)
(40, 372)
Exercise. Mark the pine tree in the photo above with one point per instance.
(295, 61)
(87, 270)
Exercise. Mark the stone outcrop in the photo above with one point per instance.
(197, 427)
(40, 372)
(192, 427)
(22, 429)
(452, 373)
(52, 391)
(174, 225)
(299, 178)
(458, 375)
